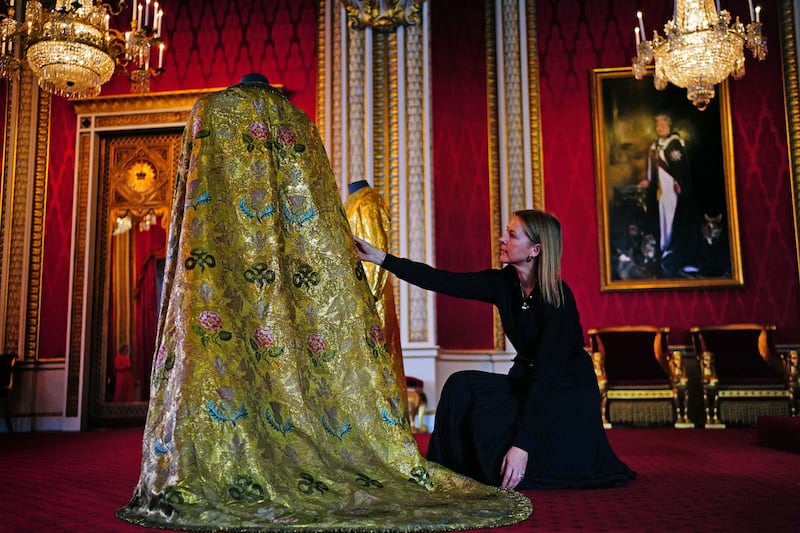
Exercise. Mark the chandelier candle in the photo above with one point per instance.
(71, 49)
(701, 48)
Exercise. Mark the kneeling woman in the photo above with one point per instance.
(540, 425)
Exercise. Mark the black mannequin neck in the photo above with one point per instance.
(357, 185)
(254, 77)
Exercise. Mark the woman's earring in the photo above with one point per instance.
(529, 258)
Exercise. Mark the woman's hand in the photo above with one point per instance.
(367, 252)
(513, 467)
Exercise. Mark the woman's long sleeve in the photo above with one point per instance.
(481, 285)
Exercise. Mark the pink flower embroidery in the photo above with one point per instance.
(259, 131)
(258, 195)
(210, 320)
(286, 136)
(316, 343)
(264, 338)
(376, 334)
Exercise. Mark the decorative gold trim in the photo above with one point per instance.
(618, 394)
(383, 15)
(415, 155)
(380, 112)
(322, 69)
(6, 194)
(166, 117)
(151, 102)
(495, 209)
(792, 104)
(18, 199)
(83, 163)
(391, 187)
(40, 175)
(753, 393)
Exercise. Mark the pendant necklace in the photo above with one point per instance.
(525, 305)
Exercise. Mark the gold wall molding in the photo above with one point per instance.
(357, 103)
(418, 180)
(24, 178)
(382, 15)
(143, 105)
(791, 90)
(78, 299)
(41, 160)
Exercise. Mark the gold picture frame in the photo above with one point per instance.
(666, 201)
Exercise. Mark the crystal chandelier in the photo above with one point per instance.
(71, 50)
(700, 48)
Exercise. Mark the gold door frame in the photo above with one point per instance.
(98, 120)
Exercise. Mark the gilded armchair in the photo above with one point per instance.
(640, 382)
(742, 373)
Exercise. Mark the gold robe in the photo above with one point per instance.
(369, 219)
(274, 406)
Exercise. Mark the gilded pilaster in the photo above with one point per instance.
(23, 200)
(41, 161)
(512, 111)
(356, 106)
(417, 182)
(376, 126)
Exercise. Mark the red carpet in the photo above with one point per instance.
(779, 432)
(689, 480)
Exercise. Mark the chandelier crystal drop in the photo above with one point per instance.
(701, 47)
(71, 50)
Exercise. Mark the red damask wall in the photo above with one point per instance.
(460, 166)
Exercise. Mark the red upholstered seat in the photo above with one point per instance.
(737, 356)
(636, 379)
(743, 375)
(624, 362)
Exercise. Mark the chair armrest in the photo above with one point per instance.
(599, 362)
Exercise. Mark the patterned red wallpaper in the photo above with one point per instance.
(460, 167)
(56, 254)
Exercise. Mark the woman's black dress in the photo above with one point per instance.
(547, 405)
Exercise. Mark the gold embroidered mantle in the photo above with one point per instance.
(274, 406)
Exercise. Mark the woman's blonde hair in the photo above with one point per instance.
(545, 229)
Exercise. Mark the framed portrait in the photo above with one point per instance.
(666, 195)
